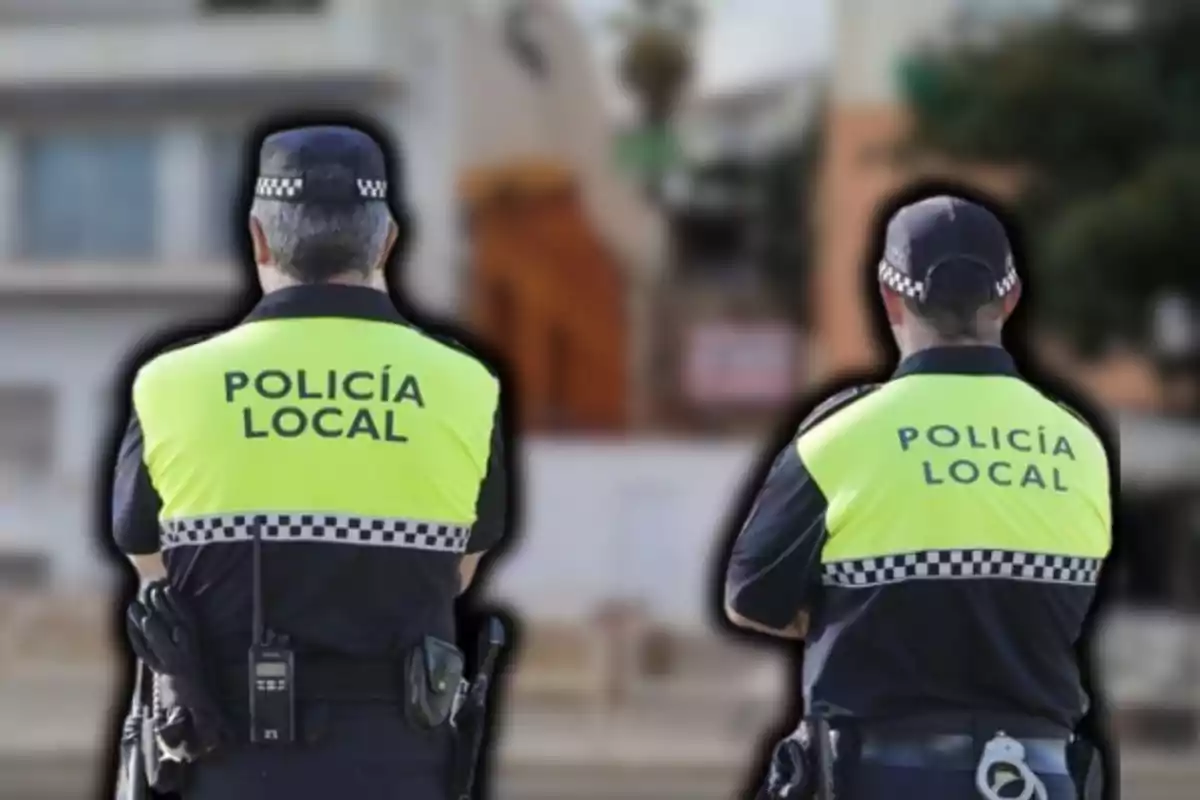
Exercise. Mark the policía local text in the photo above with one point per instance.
(1020, 458)
(331, 404)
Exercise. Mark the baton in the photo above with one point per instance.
(825, 758)
(131, 774)
(490, 644)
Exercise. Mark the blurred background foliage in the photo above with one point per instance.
(1105, 126)
(657, 58)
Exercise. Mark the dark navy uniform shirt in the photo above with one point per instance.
(371, 602)
(891, 649)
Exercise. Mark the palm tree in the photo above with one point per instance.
(657, 59)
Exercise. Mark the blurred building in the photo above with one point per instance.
(563, 251)
(121, 155)
(726, 340)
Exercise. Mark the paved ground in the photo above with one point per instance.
(51, 730)
(47, 780)
(52, 783)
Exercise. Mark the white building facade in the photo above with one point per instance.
(121, 157)
(120, 154)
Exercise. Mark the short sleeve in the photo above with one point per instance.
(774, 569)
(491, 518)
(135, 503)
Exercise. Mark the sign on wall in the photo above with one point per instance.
(739, 364)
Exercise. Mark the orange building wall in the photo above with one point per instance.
(546, 292)
(857, 175)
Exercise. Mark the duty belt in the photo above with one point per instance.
(982, 724)
(1001, 749)
(330, 679)
(955, 752)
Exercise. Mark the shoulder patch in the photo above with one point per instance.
(834, 404)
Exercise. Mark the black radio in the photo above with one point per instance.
(272, 672)
(272, 696)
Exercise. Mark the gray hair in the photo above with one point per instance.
(316, 242)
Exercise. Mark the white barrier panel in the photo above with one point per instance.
(606, 519)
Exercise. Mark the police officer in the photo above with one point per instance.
(935, 540)
(316, 485)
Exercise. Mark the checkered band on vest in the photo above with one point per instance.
(962, 564)
(310, 527)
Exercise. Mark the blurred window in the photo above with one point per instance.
(1149, 558)
(285, 6)
(708, 241)
(89, 196)
(223, 158)
(26, 431)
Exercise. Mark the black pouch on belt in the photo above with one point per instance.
(793, 771)
(432, 674)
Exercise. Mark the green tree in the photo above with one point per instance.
(1107, 125)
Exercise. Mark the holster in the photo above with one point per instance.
(433, 671)
(166, 772)
(802, 765)
(792, 770)
(1086, 766)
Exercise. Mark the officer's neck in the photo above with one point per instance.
(272, 280)
(918, 343)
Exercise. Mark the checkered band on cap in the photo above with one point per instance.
(906, 286)
(963, 564)
(899, 282)
(291, 188)
(1006, 284)
(278, 187)
(372, 190)
(313, 527)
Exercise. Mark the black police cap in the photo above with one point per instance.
(322, 164)
(948, 252)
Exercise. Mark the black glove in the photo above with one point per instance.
(789, 775)
(165, 636)
(161, 632)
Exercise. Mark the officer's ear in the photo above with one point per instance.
(893, 305)
(1010, 302)
(392, 235)
(398, 237)
(258, 241)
